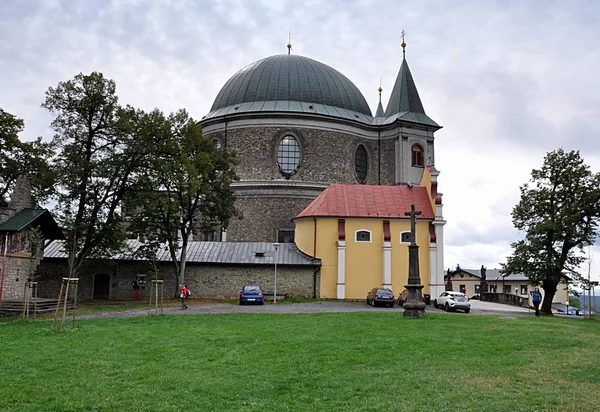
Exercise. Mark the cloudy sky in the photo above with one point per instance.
(508, 80)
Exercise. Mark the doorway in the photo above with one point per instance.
(101, 286)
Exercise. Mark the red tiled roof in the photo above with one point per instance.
(369, 201)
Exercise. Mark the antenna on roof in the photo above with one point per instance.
(289, 46)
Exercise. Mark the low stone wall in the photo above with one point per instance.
(207, 281)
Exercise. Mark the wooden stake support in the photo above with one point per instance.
(32, 286)
(154, 287)
(65, 285)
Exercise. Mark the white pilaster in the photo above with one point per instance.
(387, 265)
(433, 270)
(397, 160)
(438, 282)
(341, 280)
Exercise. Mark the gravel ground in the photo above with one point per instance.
(199, 308)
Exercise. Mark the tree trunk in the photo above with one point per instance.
(549, 292)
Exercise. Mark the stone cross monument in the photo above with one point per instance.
(414, 306)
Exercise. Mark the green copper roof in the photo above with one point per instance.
(404, 102)
(30, 217)
(290, 83)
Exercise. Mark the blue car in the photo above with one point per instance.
(252, 294)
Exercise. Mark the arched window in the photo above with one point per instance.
(288, 156)
(363, 236)
(417, 155)
(361, 164)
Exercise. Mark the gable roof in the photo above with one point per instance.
(240, 253)
(33, 217)
(369, 201)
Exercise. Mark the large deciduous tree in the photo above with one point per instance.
(96, 164)
(558, 212)
(18, 157)
(187, 185)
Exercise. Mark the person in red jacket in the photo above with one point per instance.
(184, 292)
(136, 289)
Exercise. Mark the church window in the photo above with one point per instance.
(363, 236)
(288, 156)
(405, 237)
(361, 164)
(417, 155)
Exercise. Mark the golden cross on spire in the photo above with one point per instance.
(403, 43)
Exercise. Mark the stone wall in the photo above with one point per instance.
(16, 271)
(207, 281)
(326, 156)
(263, 217)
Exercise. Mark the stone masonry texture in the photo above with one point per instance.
(207, 281)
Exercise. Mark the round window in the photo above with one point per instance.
(361, 164)
(288, 156)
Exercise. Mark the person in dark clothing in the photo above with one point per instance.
(136, 289)
(536, 298)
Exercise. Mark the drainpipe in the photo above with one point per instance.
(315, 239)
(317, 270)
(3, 265)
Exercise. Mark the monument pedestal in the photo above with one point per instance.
(414, 306)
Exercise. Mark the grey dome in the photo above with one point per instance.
(287, 80)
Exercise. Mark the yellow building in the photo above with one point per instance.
(361, 234)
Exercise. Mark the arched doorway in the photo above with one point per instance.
(101, 286)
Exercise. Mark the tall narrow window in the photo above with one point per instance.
(361, 164)
(417, 155)
(288, 156)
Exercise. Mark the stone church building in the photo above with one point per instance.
(297, 127)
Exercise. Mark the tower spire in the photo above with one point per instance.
(289, 46)
(379, 112)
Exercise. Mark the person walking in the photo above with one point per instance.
(536, 298)
(184, 292)
(136, 289)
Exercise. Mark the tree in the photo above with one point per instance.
(22, 158)
(186, 185)
(559, 212)
(96, 164)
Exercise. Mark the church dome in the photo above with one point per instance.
(291, 83)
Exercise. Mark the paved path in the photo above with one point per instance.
(196, 308)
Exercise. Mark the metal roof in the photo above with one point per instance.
(288, 83)
(494, 274)
(238, 253)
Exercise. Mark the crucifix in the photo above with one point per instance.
(414, 307)
(413, 223)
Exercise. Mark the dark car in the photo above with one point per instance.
(252, 294)
(380, 296)
(402, 297)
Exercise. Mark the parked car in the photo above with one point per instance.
(402, 297)
(252, 294)
(380, 296)
(451, 301)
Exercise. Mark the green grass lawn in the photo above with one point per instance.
(346, 362)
